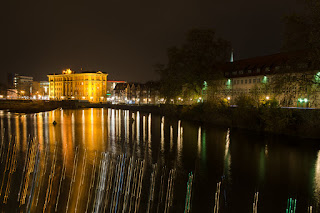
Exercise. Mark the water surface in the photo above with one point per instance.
(69, 166)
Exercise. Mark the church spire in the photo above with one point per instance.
(231, 58)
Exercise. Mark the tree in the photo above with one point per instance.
(193, 63)
(302, 31)
(297, 78)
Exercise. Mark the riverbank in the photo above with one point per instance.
(303, 123)
(28, 106)
(34, 106)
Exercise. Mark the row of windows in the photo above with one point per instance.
(285, 90)
(76, 88)
(86, 78)
(77, 83)
(247, 81)
(242, 90)
(59, 94)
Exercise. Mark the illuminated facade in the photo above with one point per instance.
(86, 86)
(23, 85)
(135, 93)
(285, 77)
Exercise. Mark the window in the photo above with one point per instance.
(241, 81)
(254, 80)
(249, 81)
(245, 81)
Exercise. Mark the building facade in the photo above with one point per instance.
(285, 77)
(44, 90)
(23, 85)
(85, 86)
(135, 93)
(111, 85)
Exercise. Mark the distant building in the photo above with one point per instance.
(136, 93)
(111, 85)
(23, 85)
(12, 94)
(44, 90)
(40, 90)
(35, 90)
(288, 78)
(89, 86)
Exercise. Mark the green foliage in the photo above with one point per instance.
(193, 63)
(245, 101)
(273, 103)
(277, 120)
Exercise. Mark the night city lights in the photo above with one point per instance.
(160, 106)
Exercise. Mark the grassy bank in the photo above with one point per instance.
(296, 122)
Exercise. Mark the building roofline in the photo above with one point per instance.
(80, 73)
(117, 81)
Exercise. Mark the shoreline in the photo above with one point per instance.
(302, 123)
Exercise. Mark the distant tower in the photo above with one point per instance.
(231, 58)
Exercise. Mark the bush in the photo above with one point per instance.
(245, 101)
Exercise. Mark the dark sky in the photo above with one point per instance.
(125, 38)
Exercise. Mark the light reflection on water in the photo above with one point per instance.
(74, 145)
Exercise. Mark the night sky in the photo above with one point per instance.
(125, 38)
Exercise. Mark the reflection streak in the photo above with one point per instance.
(162, 134)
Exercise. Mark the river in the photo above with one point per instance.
(119, 161)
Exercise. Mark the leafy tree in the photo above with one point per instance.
(245, 101)
(298, 77)
(196, 61)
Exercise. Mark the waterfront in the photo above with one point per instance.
(277, 167)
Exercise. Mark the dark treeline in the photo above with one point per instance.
(196, 61)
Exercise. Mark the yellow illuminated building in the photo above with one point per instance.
(90, 86)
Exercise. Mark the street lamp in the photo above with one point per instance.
(22, 92)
